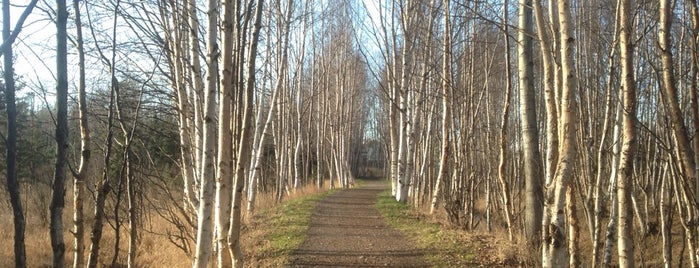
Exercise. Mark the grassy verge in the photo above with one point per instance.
(444, 247)
(281, 229)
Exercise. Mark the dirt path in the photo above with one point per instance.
(346, 230)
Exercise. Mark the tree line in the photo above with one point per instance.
(603, 147)
(554, 121)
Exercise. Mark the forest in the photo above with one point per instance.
(162, 132)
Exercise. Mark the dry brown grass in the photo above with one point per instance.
(153, 250)
(494, 248)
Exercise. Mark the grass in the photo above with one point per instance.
(267, 237)
(445, 247)
(281, 229)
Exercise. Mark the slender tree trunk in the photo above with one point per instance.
(628, 147)
(196, 93)
(186, 127)
(573, 230)
(548, 63)
(610, 108)
(666, 216)
(245, 144)
(610, 234)
(554, 252)
(257, 157)
(224, 176)
(534, 198)
(103, 186)
(204, 216)
(684, 149)
(446, 109)
(85, 151)
(694, 88)
(59, 179)
(504, 184)
(11, 142)
(127, 176)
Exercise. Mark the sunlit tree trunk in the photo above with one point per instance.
(224, 176)
(610, 234)
(628, 147)
(683, 147)
(665, 217)
(555, 245)
(549, 73)
(446, 109)
(609, 118)
(204, 216)
(85, 151)
(504, 183)
(534, 198)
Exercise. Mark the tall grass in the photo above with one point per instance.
(155, 248)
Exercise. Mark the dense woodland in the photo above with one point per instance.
(571, 126)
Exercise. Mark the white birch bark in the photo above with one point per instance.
(85, 150)
(625, 182)
(224, 178)
(555, 245)
(204, 216)
(610, 234)
(530, 134)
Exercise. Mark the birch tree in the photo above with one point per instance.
(58, 187)
(243, 159)
(446, 108)
(530, 133)
(80, 177)
(554, 251)
(625, 236)
(206, 194)
(224, 176)
(683, 147)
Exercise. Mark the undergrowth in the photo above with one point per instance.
(286, 226)
(443, 247)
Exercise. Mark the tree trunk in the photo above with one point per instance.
(554, 252)
(628, 147)
(534, 198)
(446, 109)
(547, 60)
(573, 230)
(683, 147)
(666, 216)
(59, 179)
(504, 184)
(224, 178)
(85, 151)
(11, 142)
(245, 144)
(204, 216)
(610, 108)
(610, 234)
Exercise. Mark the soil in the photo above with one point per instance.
(346, 230)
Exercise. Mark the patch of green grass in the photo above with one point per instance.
(288, 225)
(442, 246)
